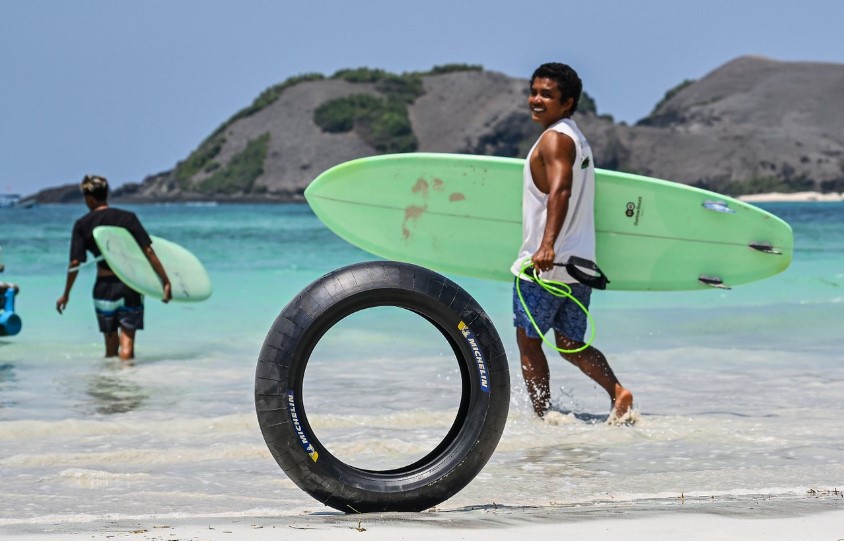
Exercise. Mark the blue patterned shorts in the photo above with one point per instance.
(559, 313)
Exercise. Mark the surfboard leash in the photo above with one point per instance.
(557, 289)
(79, 266)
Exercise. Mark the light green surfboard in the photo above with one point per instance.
(189, 282)
(462, 214)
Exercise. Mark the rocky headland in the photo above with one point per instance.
(752, 126)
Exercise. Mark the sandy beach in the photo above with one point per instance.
(777, 197)
(819, 516)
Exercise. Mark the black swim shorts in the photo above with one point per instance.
(117, 305)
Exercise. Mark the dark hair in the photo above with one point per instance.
(95, 186)
(566, 78)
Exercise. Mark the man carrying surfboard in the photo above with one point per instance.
(120, 310)
(557, 223)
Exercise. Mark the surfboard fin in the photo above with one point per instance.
(765, 248)
(712, 281)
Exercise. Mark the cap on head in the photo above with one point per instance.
(95, 186)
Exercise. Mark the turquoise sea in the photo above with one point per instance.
(739, 392)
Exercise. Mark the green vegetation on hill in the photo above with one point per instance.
(270, 95)
(242, 170)
(587, 104)
(406, 87)
(200, 159)
(451, 68)
(382, 122)
(339, 115)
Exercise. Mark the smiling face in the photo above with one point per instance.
(546, 103)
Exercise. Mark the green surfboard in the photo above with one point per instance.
(462, 214)
(189, 282)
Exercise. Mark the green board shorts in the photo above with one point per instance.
(560, 313)
(117, 305)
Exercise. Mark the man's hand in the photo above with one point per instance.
(543, 259)
(168, 293)
(61, 304)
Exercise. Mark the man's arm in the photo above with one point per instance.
(73, 270)
(558, 153)
(159, 270)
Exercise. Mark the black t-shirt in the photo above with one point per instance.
(82, 238)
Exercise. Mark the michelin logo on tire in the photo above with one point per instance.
(297, 426)
(476, 351)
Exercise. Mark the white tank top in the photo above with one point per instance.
(577, 236)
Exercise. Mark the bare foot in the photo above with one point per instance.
(623, 401)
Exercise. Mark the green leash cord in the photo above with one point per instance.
(557, 289)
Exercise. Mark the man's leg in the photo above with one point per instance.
(592, 362)
(111, 343)
(127, 344)
(131, 320)
(105, 306)
(535, 371)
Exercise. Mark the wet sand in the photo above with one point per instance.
(819, 516)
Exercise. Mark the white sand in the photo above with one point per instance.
(775, 197)
(821, 519)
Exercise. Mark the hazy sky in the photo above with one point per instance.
(126, 89)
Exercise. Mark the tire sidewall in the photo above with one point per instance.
(478, 424)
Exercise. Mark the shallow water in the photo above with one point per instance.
(738, 392)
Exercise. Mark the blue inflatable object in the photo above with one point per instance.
(10, 322)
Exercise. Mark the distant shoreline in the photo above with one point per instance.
(778, 197)
(771, 197)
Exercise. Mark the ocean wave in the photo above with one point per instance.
(77, 428)
(85, 478)
(173, 454)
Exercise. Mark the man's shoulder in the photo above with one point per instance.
(108, 216)
(128, 220)
(567, 129)
(116, 211)
(118, 217)
(566, 126)
(83, 220)
(555, 140)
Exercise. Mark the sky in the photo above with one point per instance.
(128, 89)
